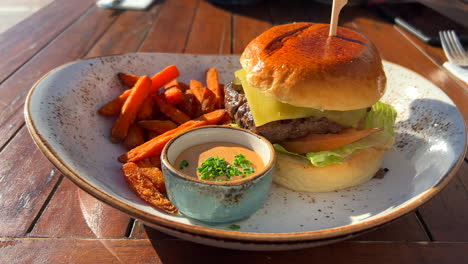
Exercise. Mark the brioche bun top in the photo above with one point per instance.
(301, 65)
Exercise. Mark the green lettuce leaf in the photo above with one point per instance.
(380, 116)
(280, 148)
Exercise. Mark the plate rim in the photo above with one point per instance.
(55, 159)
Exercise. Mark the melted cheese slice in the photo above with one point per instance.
(265, 108)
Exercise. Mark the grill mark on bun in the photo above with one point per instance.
(277, 43)
(350, 39)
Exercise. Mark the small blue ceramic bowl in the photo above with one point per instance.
(217, 202)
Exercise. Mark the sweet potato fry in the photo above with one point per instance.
(156, 177)
(174, 95)
(144, 164)
(158, 80)
(226, 121)
(209, 102)
(170, 111)
(130, 109)
(153, 173)
(135, 136)
(160, 126)
(146, 110)
(172, 84)
(204, 95)
(197, 89)
(127, 79)
(157, 114)
(183, 86)
(164, 77)
(154, 147)
(221, 87)
(115, 106)
(212, 82)
(191, 106)
(150, 134)
(145, 182)
(156, 161)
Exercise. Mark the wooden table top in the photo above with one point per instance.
(45, 218)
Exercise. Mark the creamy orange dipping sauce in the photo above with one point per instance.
(197, 154)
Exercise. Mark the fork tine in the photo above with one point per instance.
(460, 53)
(445, 47)
(459, 46)
(451, 48)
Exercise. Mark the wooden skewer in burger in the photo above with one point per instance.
(314, 92)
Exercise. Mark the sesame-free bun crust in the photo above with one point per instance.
(301, 65)
(298, 174)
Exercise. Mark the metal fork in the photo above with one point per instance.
(453, 49)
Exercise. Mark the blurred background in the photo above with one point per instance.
(412, 15)
(14, 11)
(445, 11)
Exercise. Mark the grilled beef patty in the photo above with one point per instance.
(236, 105)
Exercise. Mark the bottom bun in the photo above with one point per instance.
(298, 174)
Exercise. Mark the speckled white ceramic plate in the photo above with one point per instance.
(430, 144)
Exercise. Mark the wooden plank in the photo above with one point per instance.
(446, 215)
(396, 48)
(248, 23)
(81, 215)
(211, 31)
(70, 45)
(126, 34)
(417, 15)
(405, 228)
(140, 230)
(11, 120)
(26, 179)
(25, 39)
(171, 28)
(435, 54)
(27, 250)
(463, 174)
(83, 34)
(38, 250)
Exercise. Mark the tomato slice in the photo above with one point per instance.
(322, 142)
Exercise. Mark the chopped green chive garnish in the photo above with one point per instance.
(234, 227)
(249, 170)
(183, 164)
(241, 161)
(214, 167)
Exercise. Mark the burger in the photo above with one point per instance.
(316, 98)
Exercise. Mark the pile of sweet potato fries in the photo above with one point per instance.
(152, 112)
